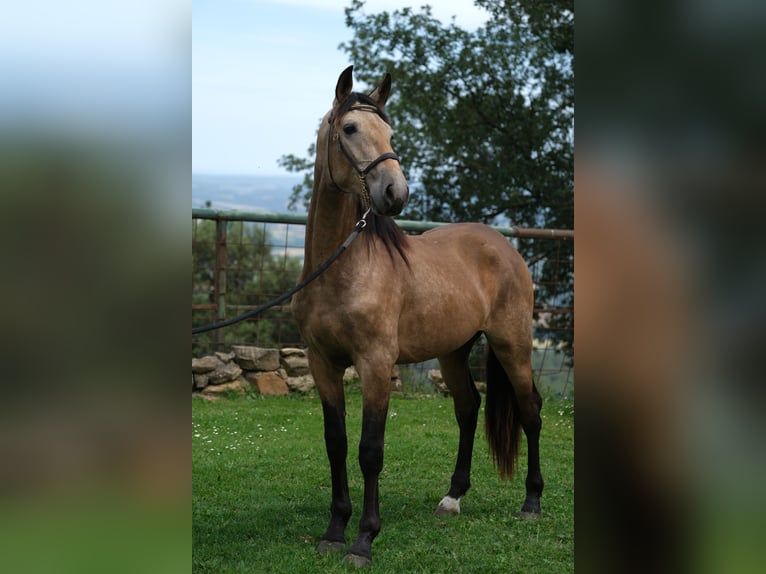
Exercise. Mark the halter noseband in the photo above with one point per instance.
(361, 173)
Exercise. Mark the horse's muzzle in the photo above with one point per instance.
(395, 201)
(390, 198)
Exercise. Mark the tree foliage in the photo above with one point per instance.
(483, 121)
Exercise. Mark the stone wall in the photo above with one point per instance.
(266, 371)
(437, 382)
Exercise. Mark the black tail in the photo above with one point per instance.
(502, 424)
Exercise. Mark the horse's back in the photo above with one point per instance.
(467, 234)
(474, 248)
(462, 278)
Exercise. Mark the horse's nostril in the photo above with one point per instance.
(394, 197)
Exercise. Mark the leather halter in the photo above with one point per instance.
(334, 135)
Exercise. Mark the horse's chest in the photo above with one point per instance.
(320, 318)
(341, 322)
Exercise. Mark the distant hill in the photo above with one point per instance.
(244, 192)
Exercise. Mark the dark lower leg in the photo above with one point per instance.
(337, 447)
(466, 413)
(531, 423)
(371, 463)
(466, 401)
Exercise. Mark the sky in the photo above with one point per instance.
(114, 70)
(264, 74)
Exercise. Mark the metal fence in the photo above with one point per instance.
(241, 260)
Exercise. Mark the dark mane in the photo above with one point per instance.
(388, 232)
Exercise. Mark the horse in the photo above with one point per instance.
(392, 299)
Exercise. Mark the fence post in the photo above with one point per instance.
(220, 276)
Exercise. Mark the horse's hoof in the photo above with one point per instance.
(529, 515)
(448, 505)
(329, 546)
(356, 560)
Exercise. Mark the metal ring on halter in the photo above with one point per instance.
(362, 223)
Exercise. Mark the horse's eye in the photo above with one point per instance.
(349, 129)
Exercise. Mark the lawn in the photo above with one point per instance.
(261, 491)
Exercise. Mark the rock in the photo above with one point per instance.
(205, 364)
(296, 364)
(396, 381)
(302, 384)
(247, 384)
(224, 374)
(233, 386)
(271, 384)
(290, 351)
(350, 375)
(200, 380)
(256, 358)
(225, 357)
(250, 377)
(435, 376)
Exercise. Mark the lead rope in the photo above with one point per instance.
(358, 227)
(334, 135)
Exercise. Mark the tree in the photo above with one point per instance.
(483, 120)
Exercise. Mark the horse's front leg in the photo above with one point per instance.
(376, 391)
(329, 382)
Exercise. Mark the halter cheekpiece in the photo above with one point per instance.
(361, 173)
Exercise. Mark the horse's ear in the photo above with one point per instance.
(345, 83)
(381, 93)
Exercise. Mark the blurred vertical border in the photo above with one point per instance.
(95, 171)
(670, 194)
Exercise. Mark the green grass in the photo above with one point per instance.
(261, 491)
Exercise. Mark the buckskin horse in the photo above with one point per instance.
(393, 298)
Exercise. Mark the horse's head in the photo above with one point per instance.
(360, 158)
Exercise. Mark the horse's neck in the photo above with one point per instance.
(332, 216)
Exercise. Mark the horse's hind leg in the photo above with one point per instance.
(529, 411)
(513, 363)
(532, 423)
(466, 399)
